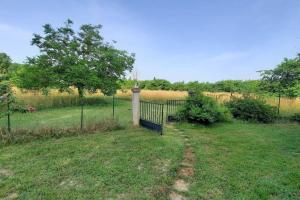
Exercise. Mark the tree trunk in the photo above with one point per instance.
(278, 106)
(113, 106)
(80, 93)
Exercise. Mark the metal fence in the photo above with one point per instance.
(172, 107)
(152, 115)
(23, 116)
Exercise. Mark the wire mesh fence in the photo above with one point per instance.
(98, 113)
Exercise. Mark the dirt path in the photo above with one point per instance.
(186, 171)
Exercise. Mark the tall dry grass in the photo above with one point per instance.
(156, 95)
(57, 99)
(287, 106)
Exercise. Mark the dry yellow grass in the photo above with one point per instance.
(145, 94)
(288, 106)
(155, 94)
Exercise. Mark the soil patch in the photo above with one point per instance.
(186, 171)
(5, 172)
(175, 196)
(181, 186)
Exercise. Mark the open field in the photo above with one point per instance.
(56, 99)
(245, 161)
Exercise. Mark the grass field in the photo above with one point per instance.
(233, 160)
(69, 116)
(245, 161)
(127, 164)
(56, 99)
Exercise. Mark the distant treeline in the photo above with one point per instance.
(232, 86)
(220, 86)
(162, 84)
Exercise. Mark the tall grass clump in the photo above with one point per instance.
(59, 101)
(25, 135)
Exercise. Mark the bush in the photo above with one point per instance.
(251, 109)
(296, 117)
(202, 109)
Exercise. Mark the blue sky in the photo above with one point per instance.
(204, 40)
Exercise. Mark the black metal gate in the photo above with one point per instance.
(152, 115)
(172, 107)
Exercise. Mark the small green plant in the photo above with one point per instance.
(296, 117)
(19, 108)
(251, 109)
(202, 109)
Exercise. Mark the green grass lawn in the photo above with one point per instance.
(234, 160)
(246, 161)
(69, 116)
(125, 164)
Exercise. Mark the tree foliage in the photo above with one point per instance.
(74, 59)
(284, 80)
(82, 60)
(247, 86)
(6, 93)
(5, 63)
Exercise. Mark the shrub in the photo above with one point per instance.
(250, 109)
(202, 109)
(296, 117)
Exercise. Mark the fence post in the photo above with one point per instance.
(8, 114)
(136, 105)
(113, 106)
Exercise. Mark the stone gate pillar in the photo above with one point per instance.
(136, 105)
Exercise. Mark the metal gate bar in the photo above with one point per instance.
(152, 115)
(172, 107)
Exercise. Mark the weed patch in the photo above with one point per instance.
(25, 135)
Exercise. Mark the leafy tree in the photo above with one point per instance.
(178, 86)
(5, 63)
(248, 86)
(75, 59)
(227, 86)
(6, 93)
(158, 84)
(282, 79)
